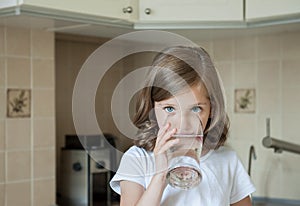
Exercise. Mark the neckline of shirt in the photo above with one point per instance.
(204, 157)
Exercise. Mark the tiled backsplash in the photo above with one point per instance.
(27, 145)
(270, 65)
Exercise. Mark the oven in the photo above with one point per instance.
(85, 171)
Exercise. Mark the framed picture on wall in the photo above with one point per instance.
(244, 100)
(18, 103)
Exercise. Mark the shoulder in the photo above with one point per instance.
(134, 167)
(225, 157)
(137, 155)
(137, 162)
(137, 151)
(225, 152)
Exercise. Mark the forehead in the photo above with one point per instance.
(189, 96)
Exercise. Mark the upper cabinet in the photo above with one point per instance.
(156, 14)
(117, 9)
(271, 9)
(190, 10)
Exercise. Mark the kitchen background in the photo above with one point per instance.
(47, 62)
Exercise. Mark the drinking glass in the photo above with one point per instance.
(184, 160)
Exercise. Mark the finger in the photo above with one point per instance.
(168, 145)
(164, 147)
(166, 137)
(163, 130)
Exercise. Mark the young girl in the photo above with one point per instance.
(182, 82)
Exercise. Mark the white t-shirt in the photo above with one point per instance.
(224, 179)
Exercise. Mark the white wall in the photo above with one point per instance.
(271, 65)
(27, 144)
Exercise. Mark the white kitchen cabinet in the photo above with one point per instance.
(101, 16)
(99, 8)
(190, 10)
(268, 9)
(8, 3)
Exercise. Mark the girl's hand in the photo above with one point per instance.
(164, 141)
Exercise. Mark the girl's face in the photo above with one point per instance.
(185, 110)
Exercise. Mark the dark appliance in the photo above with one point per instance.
(84, 174)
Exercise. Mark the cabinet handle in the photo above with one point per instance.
(127, 10)
(148, 11)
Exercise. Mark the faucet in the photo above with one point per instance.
(251, 154)
(279, 145)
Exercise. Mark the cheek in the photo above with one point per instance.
(160, 117)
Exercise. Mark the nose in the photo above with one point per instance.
(189, 124)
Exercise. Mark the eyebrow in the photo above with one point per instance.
(199, 103)
(174, 105)
(166, 104)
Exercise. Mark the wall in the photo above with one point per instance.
(71, 52)
(268, 63)
(27, 145)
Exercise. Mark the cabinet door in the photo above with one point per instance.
(102, 8)
(259, 9)
(8, 3)
(191, 10)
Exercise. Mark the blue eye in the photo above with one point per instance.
(196, 109)
(169, 109)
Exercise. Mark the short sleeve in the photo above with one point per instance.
(242, 185)
(133, 167)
